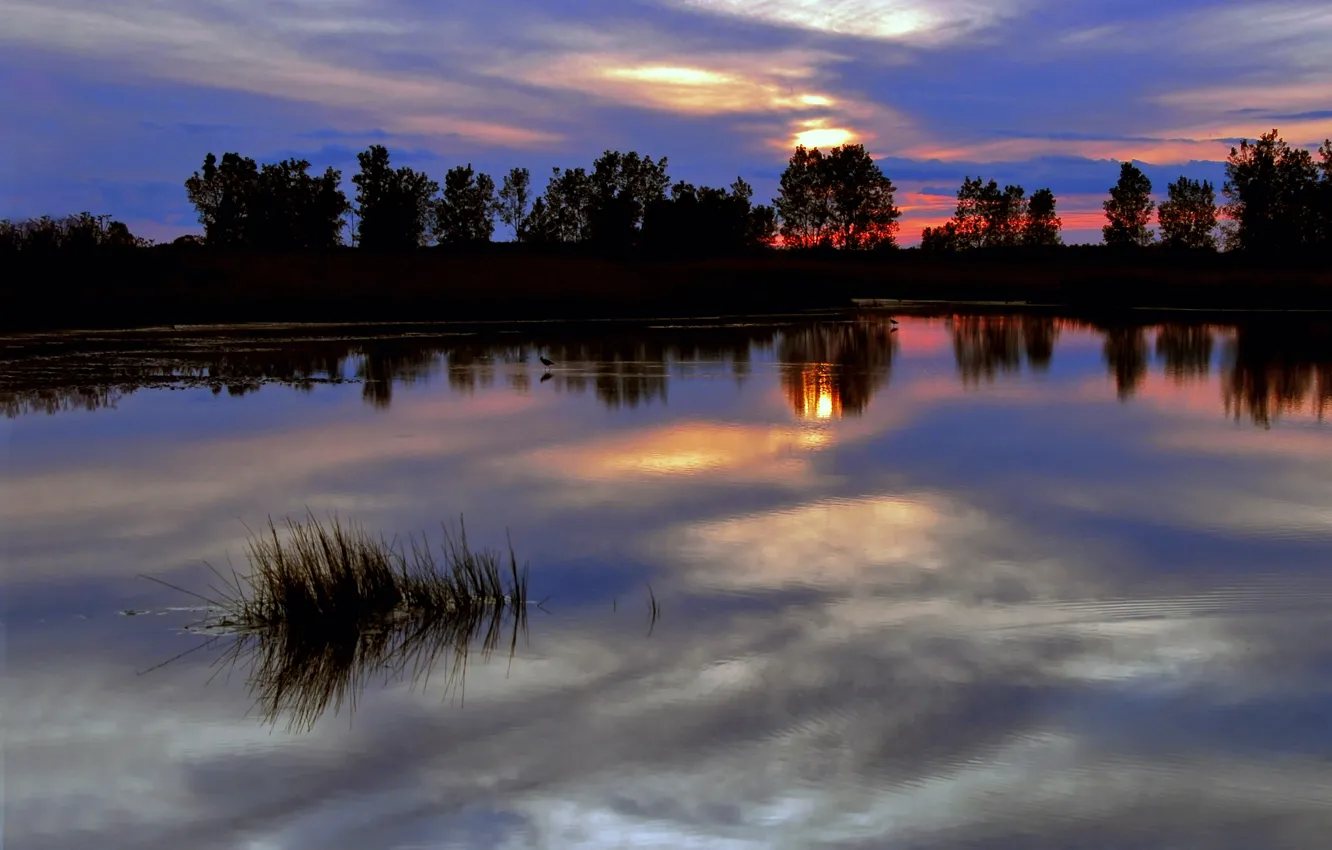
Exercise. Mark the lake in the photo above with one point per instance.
(958, 581)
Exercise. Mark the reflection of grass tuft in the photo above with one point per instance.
(329, 606)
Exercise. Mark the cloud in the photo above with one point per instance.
(257, 53)
(919, 22)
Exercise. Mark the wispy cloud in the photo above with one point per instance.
(728, 85)
(925, 22)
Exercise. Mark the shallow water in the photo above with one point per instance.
(979, 581)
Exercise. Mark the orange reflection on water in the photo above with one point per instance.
(816, 395)
(691, 448)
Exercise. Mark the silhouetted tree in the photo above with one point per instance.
(761, 228)
(79, 233)
(987, 216)
(942, 238)
(563, 212)
(288, 209)
(706, 220)
(394, 206)
(803, 203)
(623, 185)
(1323, 213)
(863, 213)
(222, 194)
(539, 226)
(514, 197)
(1188, 216)
(841, 199)
(1128, 210)
(466, 211)
(1043, 224)
(1272, 196)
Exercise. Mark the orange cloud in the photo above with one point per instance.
(685, 83)
(1159, 152)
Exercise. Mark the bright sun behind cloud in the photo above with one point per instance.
(671, 76)
(815, 135)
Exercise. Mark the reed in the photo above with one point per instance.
(329, 574)
(327, 606)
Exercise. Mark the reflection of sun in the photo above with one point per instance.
(824, 408)
(817, 396)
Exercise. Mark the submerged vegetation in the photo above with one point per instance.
(329, 607)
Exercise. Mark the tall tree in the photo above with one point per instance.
(841, 199)
(1005, 214)
(1323, 212)
(566, 207)
(803, 201)
(1043, 223)
(863, 213)
(973, 197)
(539, 225)
(987, 216)
(514, 197)
(706, 221)
(465, 213)
(1271, 190)
(394, 206)
(1188, 215)
(942, 238)
(222, 194)
(290, 209)
(761, 227)
(1128, 211)
(623, 186)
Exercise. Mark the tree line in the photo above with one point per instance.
(76, 233)
(1277, 198)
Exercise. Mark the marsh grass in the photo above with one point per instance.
(328, 608)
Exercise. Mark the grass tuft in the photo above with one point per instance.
(327, 606)
(331, 574)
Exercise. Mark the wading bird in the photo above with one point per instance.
(545, 362)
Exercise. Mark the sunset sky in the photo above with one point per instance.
(109, 106)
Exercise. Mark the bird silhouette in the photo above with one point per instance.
(545, 362)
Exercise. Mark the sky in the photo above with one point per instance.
(110, 106)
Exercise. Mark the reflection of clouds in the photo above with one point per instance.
(985, 689)
(685, 448)
(150, 491)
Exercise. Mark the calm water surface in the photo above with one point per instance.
(974, 582)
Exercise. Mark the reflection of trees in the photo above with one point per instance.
(986, 346)
(390, 361)
(1126, 357)
(829, 370)
(42, 400)
(623, 367)
(1186, 350)
(95, 373)
(1276, 370)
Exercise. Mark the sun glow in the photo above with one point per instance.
(817, 395)
(824, 137)
(863, 18)
(671, 76)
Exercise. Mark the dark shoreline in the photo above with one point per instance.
(166, 286)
